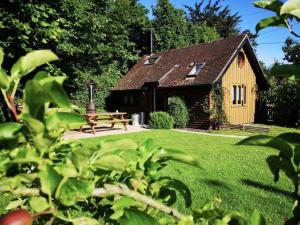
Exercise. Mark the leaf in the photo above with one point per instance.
(269, 22)
(1, 56)
(44, 77)
(73, 190)
(49, 180)
(64, 120)
(135, 217)
(56, 93)
(147, 146)
(296, 157)
(35, 126)
(272, 142)
(8, 130)
(15, 204)
(4, 80)
(272, 5)
(66, 169)
(186, 220)
(257, 218)
(31, 61)
(273, 163)
(8, 134)
(110, 162)
(38, 204)
(291, 137)
(85, 221)
(234, 218)
(178, 185)
(25, 155)
(109, 146)
(119, 205)
(35, 98)
(291, 7)
(164, 154)
(288, 168)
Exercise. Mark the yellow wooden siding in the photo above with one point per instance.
(236, 75)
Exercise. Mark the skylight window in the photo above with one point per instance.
(196, 69)
(152, 60)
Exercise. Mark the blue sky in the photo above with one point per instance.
(270, 39)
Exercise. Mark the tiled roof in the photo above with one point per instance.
(174, 65)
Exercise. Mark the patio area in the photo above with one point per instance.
(101, 131)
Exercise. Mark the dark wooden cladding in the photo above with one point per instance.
(193, 96)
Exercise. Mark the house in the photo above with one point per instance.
(191, 73)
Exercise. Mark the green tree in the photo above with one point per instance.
(170, 26)
(27, 25)
(291, 51)
(89, 36)
(214, 15)
(201, 33)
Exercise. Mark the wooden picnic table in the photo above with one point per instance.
(111, 118)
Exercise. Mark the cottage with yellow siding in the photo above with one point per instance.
(192, 73)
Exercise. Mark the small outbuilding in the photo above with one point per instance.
(194, 73)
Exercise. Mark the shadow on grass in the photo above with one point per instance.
(267, 187)
(216, 183)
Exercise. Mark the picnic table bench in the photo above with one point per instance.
(93, 119)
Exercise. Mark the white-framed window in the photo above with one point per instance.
(239, 94)
(234, 91)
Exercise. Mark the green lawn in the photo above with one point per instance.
(237, 174)
(274, 131)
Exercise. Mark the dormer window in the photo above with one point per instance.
(196, 69)
(152, 60)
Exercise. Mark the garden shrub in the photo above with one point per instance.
(161, 120)
(282, 98)
(179, 112)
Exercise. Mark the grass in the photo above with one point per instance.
(274, 131)
(237, 174)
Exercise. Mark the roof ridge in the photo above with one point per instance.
(201, 44)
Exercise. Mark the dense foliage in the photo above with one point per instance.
(161, 120)
(179, 112)
(92, 37)
(281, 98)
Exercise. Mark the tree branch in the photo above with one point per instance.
(124, 190)
(110, 190)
